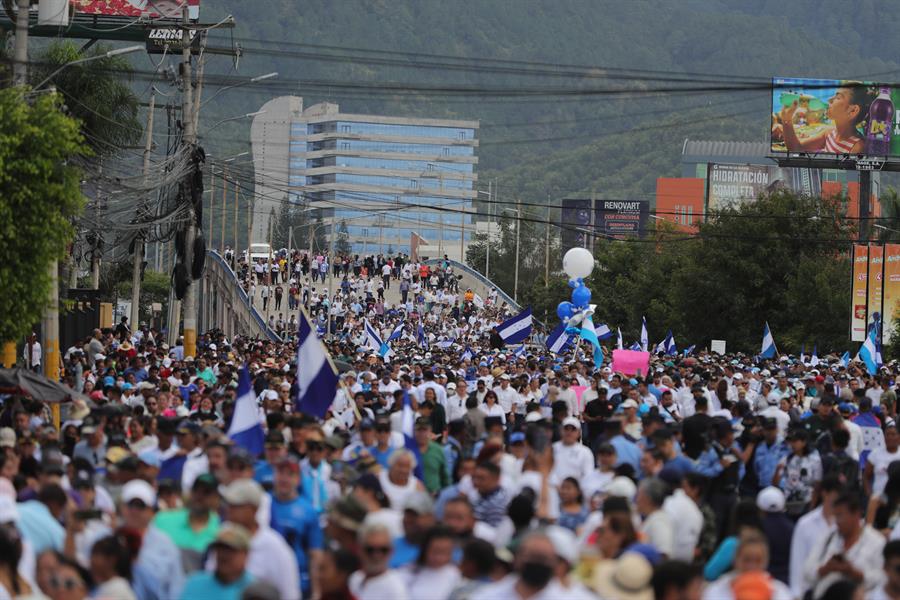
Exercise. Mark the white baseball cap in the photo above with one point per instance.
(770, 499)
(138, 489)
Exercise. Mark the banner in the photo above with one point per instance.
(729, 186)
(874, 281)
(153, 9)
(576, 222)
(859, 293)
(831, 116)
(631, 362)
(891, 283)
(621, 218)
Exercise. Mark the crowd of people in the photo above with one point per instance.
(452, 467)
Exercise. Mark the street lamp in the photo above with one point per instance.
(250, 81)
(110, 54)
(249, 115)
(487, 259)
(518, 212)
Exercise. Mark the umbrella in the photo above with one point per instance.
(35, 385)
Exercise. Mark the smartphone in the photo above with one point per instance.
(89, 514)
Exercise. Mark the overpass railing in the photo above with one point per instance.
(242, 295)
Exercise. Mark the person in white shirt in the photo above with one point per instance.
(571, 458)
(812, 527)
(852, 551)
(567, 394)
(657, 526)
(196, 463)
(878, 461)
(456, 400)
(686, 518)
(374, 580)
(506, 395)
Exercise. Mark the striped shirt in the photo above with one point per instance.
(491, 508)
(839, 147)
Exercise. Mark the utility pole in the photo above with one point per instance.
(224, 214)
(487, 261)
(212, 200)
(547, 246)
(95, 251)
(518, 230)
(139, 240)
(189, 306)
(237, 200)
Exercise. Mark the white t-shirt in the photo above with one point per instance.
(658, 531)
(273, 561)
(880, 460)
(431, 583)
(387, 585)
(687, 521)
(572, 461)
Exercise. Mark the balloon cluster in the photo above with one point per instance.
(578, 264)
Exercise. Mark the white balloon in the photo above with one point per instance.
(578, 262)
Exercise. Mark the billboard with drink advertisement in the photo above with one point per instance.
(875, 281)
(860, 292)
(833, 116)
(729, 186)
(152, 9)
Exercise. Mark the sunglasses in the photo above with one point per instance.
(380, 429)
(314, 446)
(137, 505)
(376, 549)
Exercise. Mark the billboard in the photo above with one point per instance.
(859, 293)
(152, 9)
(891, 281)
(729, 186)
(621, 218)
(575, 215)
(832, 116)
(875, 281)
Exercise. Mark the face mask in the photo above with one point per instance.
(536, 574)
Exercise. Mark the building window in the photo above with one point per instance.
(345, 128)
(461, 134)
(445, 151)
(413, 184)
(345, 145)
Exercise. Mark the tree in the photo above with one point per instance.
(41, 195)
(342, 245)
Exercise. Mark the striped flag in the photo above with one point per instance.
(467, 354)
(516, 329)
(520, 351)
(245, 430)
(845, 359)
(768, 349)
(619, 343)
(690, 349)
(421, 338)
(603, 331)
(558, 339)
(396, 333)
(316, 378)
(645, 338)
(373, 340)
(869, 351)
(667, 346)
(590, 334)
(814, 360)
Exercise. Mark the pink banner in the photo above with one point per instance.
(631, 362)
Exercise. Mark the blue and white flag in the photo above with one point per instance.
(316, 379)
(635, 346)
(396, 333)
(845, 359)
(590, 334)
(814, 360)
(421, 338)
(668, 345)
(603, 331)
(620, 343)
(516, 329)
(444, 344)
(520, 351)
(803, 354)
(373, 340)
(768, 349)
(467, 354)
(645, 339)
(690, 349)
(869, 351)
(245, 430)
(407, 427)
(558, 339)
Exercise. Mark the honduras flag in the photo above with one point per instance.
(690, 349)
(845, 359)
(869, 351)
(421, 338)
(467, 354)
(444, 344)
(636, 347)
(396, 333)
(408, 424)
(603, 331)
(803, 354)
(316, 378)
(520, 351)
(517, 329)
(557, 339)
(373, 340)
(620, 343)
(246, 430)
(645, 339)
(669, 344)
(768, 349)
(814, 360)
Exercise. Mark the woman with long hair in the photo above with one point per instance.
(491, 406)
(111, 568)
(12, 584)
(572, 509)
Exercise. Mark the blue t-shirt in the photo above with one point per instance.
(381, 457)
(405, 553)
(263, 474)
(185, 391)
(298, 523)
(205, 585)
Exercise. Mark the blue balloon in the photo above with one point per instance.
(581, 296)
(565, 310)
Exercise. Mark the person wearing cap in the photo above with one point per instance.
(270, 559)
(779, 530)
(158, 554)
(799, 472)
(769, 452)
(571, 458)
(298, 523)
(230, 578)
(193, 527)
(429, 382)
(317, 485)
(195, 461)
(92, 446)
(435, 475)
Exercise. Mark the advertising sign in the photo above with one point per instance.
(162, 40)
(151, 9)
(831, 116)
(621, 218)
(875, 281)
(891, 284)
(576, 221)
(859, 292)
(729, 186)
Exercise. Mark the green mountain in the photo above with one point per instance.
(549, 128)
